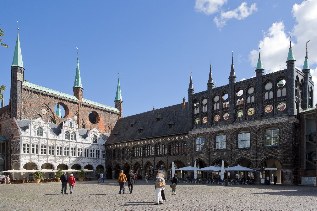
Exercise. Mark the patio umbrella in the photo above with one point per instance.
(211, 168)
(238, 168)
(173, 169)
(188, 168)
(195, 171)
(222, 170)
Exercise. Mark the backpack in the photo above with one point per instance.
(159, 183)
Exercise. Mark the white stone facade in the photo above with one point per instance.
(46, 143)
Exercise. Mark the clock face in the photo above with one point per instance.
(240, 113)
(251, 111)
(205, 120)
(281, 106)
(268, 109)
(226, 116)
(217, 118)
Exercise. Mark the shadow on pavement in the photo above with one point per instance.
(138, 203)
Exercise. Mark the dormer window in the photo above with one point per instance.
(94, 139)
(158, 117)
(70, 124)
(67, 135)
(170, 124)
(73, 136)
(39, 131)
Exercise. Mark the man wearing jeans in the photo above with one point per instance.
(64, 181)
(122, 179)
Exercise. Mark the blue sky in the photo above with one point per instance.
(153, 45)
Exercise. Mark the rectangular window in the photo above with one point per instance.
(221, 142)
(34, 149)
(97, 153)
(66, 151)
(243, 140)
(26, 148)
(272, 137)
(79, 152)
(103, 154)
(51, 150)
(43, 149)
(73, 151)
(92, 153)
(86, 153)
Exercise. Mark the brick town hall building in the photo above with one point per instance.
(46, 129)
(265, 122)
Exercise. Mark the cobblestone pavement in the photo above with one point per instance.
(104, 196)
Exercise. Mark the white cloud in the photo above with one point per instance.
(209, 6)
(240, 13)
(274, 46)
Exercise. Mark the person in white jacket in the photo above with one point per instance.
(159, 185)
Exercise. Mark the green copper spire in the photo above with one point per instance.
(77, 82)
(306, 66)
(17, 57)
(290, 56)
(259, 64)
(118, 93)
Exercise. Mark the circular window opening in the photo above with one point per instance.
(94, 117)
(61, 110)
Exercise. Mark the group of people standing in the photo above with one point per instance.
(159, 185)
(67, 180)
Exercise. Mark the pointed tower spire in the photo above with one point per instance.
(210, 83)
(118, 99)
(259, 64)
(17, 57)
(306, 65)
(191, 85)
(118, 92)
(290, 56)
(77, 82)
(232, 72)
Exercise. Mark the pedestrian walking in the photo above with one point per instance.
(159, 184)
(71, 182)
(122, 179)
(146, 177)
(7, 180)
(101, 178)
(64, 181)
(174, 184)
(130, 181)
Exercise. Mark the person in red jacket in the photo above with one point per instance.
(71, 182)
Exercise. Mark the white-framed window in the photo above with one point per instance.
(268, 91)
(39, 131)
(221, 142)
(34, 149)
(79, 152)
(97, 153)
(199, 142)
(103, 152)
(196, 107)
(244, 140)
(73, 136)
(51, 150)
(59, 151)
(26, 148)
(216, 102)
(94, 139)
(73, 151)
(272, 137)
(92, 153)
(67, 135)
(86, 153)
(43, 149)
(204, 102)
(66, 151)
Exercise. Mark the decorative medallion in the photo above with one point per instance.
(281, 106)
(251, 111)
(226, 116)
(216, 118)
(205, 120)
(268, 109)
(240, 113)
(43, 111)
(197, 121)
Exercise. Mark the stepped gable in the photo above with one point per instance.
(168, 121)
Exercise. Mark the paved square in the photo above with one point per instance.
(104, 196)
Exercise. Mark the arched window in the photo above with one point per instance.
(216, 102)
(196, 107)
(39, 131)
(250, 98)
(281, 88)
(268, 91)
(73, 136)
(225, 101)
(67, 135)
(204, 102)
(200, 142)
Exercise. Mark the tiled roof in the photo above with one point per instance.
(67, 96)
(162, 122)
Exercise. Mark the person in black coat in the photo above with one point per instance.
(64, 181)
(173, 185)
(130, 181)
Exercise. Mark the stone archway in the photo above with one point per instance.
(149, 170)
(272, 168)
(47, 166)
(76, 166)
(62, 166)
(126, 168)
(117, 169)
(30, 166)
(244, 162)
(100, 169)
(137, 169)
(109, 172)
(161, 166)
